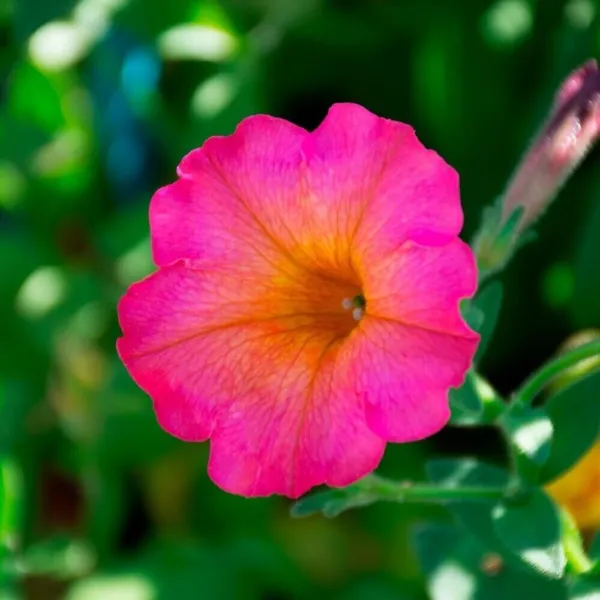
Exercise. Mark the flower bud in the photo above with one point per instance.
(565, 139)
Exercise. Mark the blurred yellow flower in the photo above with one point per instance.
(578, 490)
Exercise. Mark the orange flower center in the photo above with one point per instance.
(326, 301)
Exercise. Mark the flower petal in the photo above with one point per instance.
(376, 185)
(228, 197)
(403, 374)
(305, 429)
(265, 389)
(322, 198)
(420, 285)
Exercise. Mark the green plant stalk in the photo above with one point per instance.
(11, 502)
(577, 559)
(525, 395)
(394, 491)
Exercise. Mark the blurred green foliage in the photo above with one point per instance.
(99, 99)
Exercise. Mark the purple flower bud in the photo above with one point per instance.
(570, 131)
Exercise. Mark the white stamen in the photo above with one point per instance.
(357, 314)
(347, 303)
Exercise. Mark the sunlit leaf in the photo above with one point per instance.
(531, 529)
(530, 433)
(458, 567)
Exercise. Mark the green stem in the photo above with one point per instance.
(11, 503)
(536, 382)
(394, 491)
(373, 489)
(577, 559)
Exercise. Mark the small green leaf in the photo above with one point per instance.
(530, 433)
(465, 404)
(531, 529)
(335, 501)
(472, 315)
(575, 415)
(458, 567)
(489, 302)
(475, 402)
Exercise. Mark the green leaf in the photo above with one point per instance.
(334, 502)
(165, 570)
(530, 433)
(465, 472)
(575, 415)
(531, 529)
(475, 402)
(506, 235)
(476, 518)
(585, 588)
(594, 550)
(489, 302)
(59, 557)
(457, 567)
(37, 97)
(472, 315)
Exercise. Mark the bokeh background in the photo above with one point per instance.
(99, 99)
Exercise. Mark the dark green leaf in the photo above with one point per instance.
(475, 402)
(472, 315)
(465, 404)
(531, 529)
(530, 433)
(575, 415)
(585, 588)
(489, 302)
(465, 472)
(476, 518)
(333, 502)
(457, 567)
(594, 550)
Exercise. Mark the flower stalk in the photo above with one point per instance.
(538, 380)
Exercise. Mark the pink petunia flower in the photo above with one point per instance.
(305, 309)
